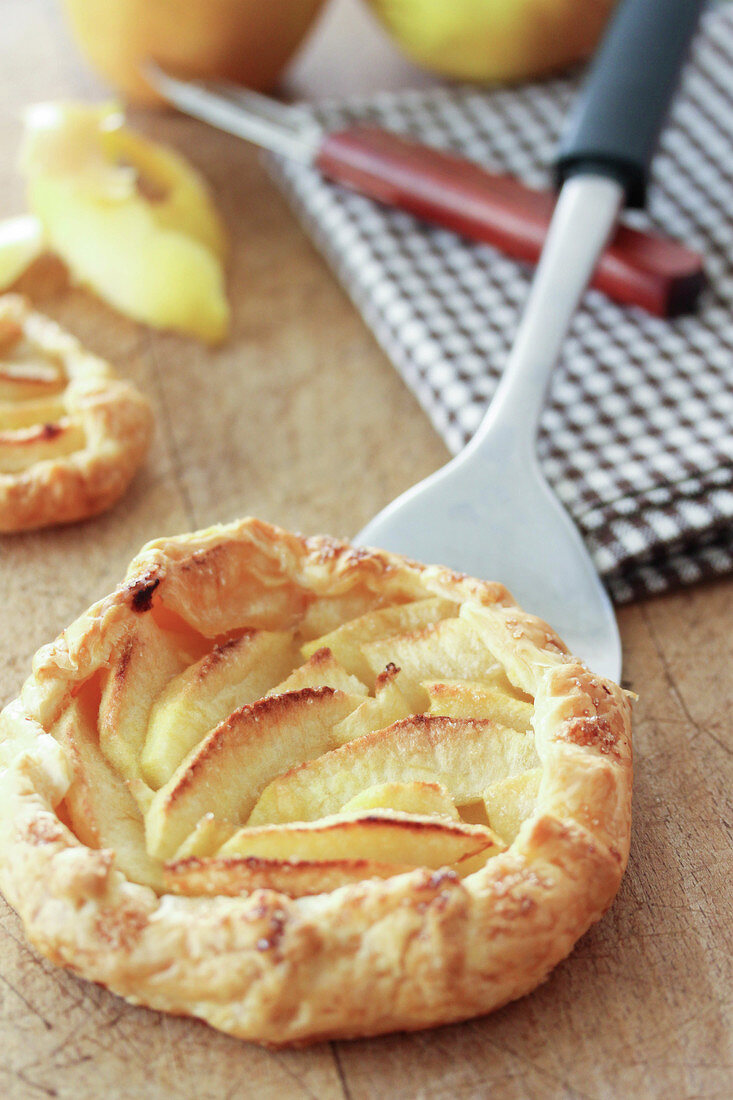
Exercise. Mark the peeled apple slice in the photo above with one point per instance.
(132, 220)
(21, 242)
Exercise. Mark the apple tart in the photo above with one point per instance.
(304, 791)
(71, 433)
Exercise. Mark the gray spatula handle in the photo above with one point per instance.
(614, 128)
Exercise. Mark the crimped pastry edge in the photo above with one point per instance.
(420, 949)
(117, 420)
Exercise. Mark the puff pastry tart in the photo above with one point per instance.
(71, 433)
(302, 790)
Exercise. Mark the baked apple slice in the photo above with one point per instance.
(226, 773)
(464, 755)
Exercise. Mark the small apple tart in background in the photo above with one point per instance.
(305, 791)
(72, 434)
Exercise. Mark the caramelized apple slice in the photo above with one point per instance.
(22, 379)
(321, 670)
(321, 856)
(102, 811)
(394, 697)
(207, 838)
(417, 797)
(346, 641)
(325, 613)
(202, 696)
(522, 647)
(24, 447)
(147, 659)
(509, 802)
(456, 699)
(225, 774)
(385, 836)
(448, 649)
(465, 756)
(29, 413)
(27, 373)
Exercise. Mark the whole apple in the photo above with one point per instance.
(494, 40)
(246, 41)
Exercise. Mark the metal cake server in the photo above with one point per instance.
(489, 512)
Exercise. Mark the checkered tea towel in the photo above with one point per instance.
(637, 435)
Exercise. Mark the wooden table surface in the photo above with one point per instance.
(301, 420)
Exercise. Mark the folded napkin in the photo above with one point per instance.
(637, 436)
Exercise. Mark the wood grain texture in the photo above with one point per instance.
(300, 419)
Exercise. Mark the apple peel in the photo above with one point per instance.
(132, 220)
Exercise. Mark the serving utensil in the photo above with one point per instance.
(489, 512)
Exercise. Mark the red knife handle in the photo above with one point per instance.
(637, 268)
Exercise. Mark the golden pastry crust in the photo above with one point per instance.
(420, 948)
(71, 433)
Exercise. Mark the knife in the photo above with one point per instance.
(638, 268)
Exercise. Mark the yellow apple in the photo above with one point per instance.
(247, 41)
(494, 40)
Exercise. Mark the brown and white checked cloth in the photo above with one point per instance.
(637, 435)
